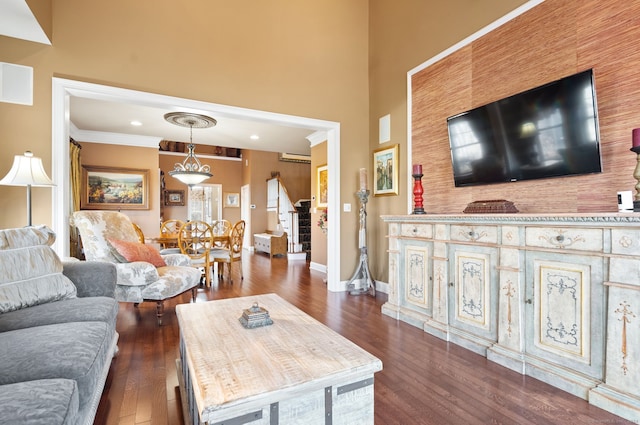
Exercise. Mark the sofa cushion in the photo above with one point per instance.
(30, 276)
(26, 236)
(77, 351)
(39, 402)
(128, 252)
(92, 309)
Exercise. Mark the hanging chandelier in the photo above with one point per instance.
(190, 171)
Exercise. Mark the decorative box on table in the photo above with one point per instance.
(493, 206)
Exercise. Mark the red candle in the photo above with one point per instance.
(417, 168)
(636, 137)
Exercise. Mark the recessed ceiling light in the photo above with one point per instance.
(254, 137)
(136, 123)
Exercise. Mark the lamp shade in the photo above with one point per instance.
(27, 170)
(190, 178)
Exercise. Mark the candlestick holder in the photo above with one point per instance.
(636, 175)
(418, 208)
(361, 282)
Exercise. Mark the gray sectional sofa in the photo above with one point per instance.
(57, 331)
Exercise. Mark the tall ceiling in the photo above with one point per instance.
(110, 121)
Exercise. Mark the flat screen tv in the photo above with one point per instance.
(548, 131)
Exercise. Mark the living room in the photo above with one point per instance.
(306, 68)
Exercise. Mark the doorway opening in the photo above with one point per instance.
(64, 89)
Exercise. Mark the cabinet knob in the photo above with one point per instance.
(528, 301)
(451, 284)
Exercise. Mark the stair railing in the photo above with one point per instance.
(278, 200)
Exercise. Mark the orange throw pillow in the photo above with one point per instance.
(136, 251)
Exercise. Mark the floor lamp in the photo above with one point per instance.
(27, 171)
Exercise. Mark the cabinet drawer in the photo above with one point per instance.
(563, 238)
(416, 230)
(467, 233)
(625, 241)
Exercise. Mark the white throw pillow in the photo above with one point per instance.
(31, 275)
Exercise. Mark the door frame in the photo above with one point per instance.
(63, 89)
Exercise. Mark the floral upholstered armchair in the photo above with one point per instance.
(143, 274)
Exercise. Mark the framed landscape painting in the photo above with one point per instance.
(385, 166)
(111, 188)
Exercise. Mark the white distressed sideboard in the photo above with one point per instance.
(556, 297)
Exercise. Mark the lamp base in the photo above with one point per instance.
(361, 281)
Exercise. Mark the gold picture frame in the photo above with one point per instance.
(322, 186)
(385, 171)
(231, 199)
(112, 188)
(174, 198)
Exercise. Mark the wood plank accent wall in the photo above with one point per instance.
(554, 39)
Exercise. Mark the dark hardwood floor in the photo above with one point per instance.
(424, 380)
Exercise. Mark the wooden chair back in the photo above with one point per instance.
(195, 239)
(139, 232)
(170, 228)
(233, 253)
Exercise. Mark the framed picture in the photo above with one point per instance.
(110, 188)
(174, 198)
(322, 191)
(231, 199)
(385, 166)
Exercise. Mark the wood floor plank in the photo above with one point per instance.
(424, 380)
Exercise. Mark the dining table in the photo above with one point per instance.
(171, 239)
(219, 241)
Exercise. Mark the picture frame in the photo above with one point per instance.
(114, 188)
(322, 186)
(231, 199)
(385, 171)
(174, 198)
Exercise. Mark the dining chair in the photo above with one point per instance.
(195, 239)
(170, 229)
(232, 253)
(221, 231)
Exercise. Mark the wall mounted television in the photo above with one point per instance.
(548, 131)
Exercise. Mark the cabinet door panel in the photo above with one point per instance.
(416, 281)
(474, 290)
(561, 324)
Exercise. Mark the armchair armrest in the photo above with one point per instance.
(92, 278)
(177, 259)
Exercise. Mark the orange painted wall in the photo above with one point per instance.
(130, 157)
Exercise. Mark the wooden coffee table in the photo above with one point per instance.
(295, 371)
